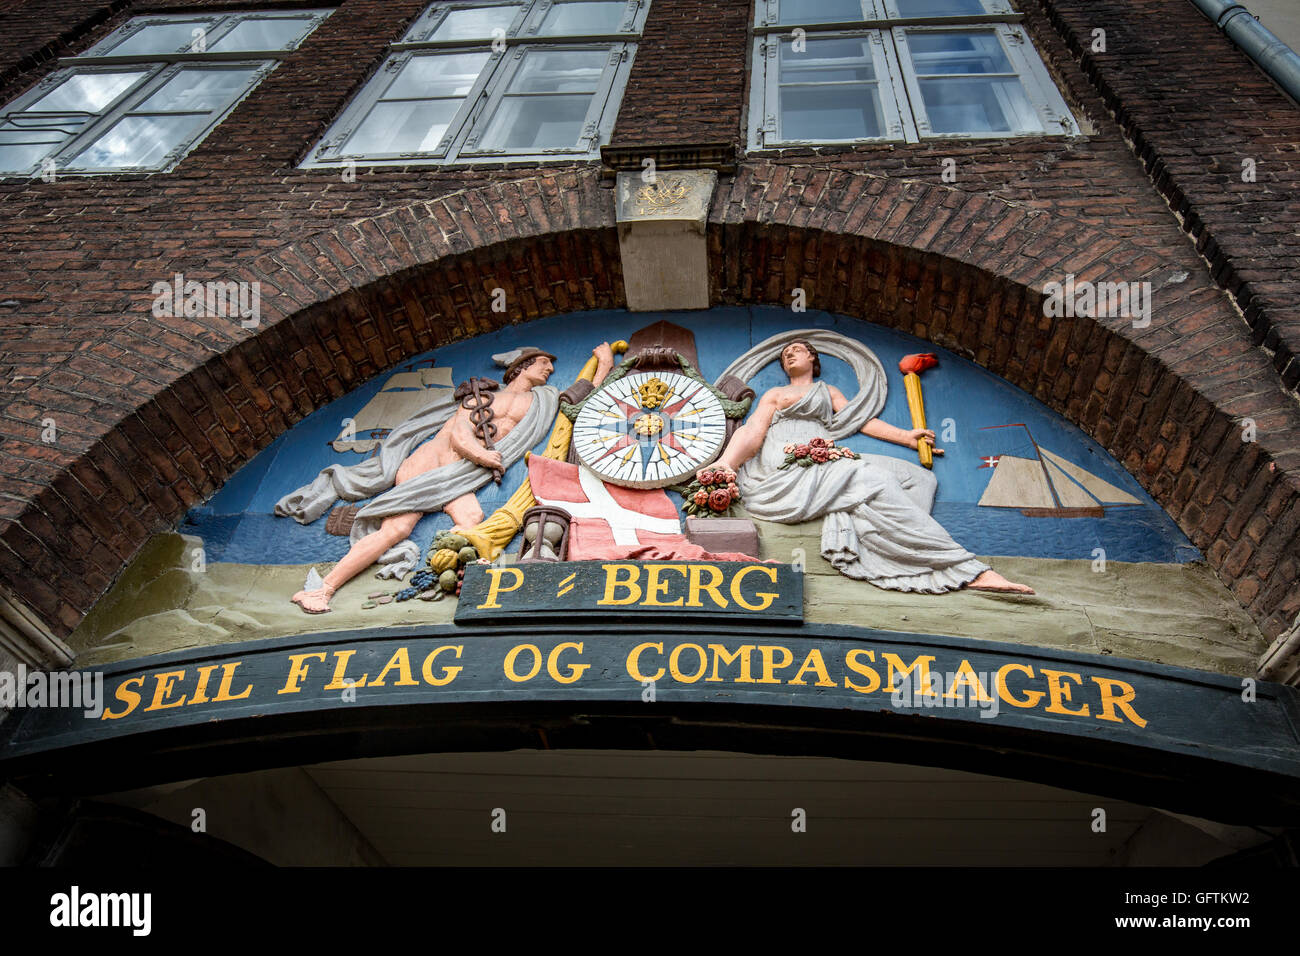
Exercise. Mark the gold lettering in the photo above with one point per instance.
(769, 653)
(449, 673)
(298, 671)
(767, 596)
(851, 660)
(513, 656)
(200, 695)
(967, 679)
(813, 662)
(495, 588)
(401, 662)
(696, 586)
(553, 664)
(163, 688)
(921, 665)
(1058, 693)
(653, 586)
(340, 670)
(634, 662)
(1109, 701)
(128, 697)
(720, 654)
(677, 671)
(227, 677)
(612, 582)
(1032, 697)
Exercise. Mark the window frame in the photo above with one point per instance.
(459, 144)
(889, 29)
(158, 68)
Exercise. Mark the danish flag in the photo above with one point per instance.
(611, 522)
(990, 462)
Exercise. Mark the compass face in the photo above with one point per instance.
(650, 429)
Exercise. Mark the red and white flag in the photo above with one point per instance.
(611, 522)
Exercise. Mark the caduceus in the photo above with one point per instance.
(476, 397)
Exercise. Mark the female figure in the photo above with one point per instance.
(876, 509)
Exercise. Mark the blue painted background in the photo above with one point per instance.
(238, 524)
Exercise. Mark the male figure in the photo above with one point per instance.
(455, 442)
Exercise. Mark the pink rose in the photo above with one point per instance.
(835, 454)
(719, 500)
(733, 489)
(819, 443)
(801, 451)
(701, 498)
(707, 477)
(727, 475)
(788, 449)
(820, 454)
(848, 453)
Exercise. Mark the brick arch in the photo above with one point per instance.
(960, 269)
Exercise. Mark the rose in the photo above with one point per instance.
(733, 489)
(820, 454)
(848, 453)
(819, 443)
(707, 477)
(801, 451)
(727, 475)
(788, 450)
(835, 454)
(719, 499)
(701, 498)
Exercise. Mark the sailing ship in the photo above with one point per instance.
(1048, 486)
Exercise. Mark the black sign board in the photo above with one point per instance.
(669, 590)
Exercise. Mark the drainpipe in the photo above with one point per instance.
(1275, 58)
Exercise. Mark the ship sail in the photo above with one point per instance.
(1049, 486)
(1103, 491)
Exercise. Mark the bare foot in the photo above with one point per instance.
(314, 602)
(992, 581)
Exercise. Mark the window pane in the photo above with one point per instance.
(19, 158)
(851, 111)
(560, 71)
(826, 61)
(938, 8)
(138, 141)
(437, 75)
(86, 92)
(537, 122)
(978, 105)
(966, 52)
(475, 23)
(264, 33)
(195, 91)
(575, 19)
(160, 38)
(409, 127)
(820, 11)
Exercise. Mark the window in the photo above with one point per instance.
(861, 71)
(493, 81)
(142, 98)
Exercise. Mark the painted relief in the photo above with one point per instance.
(909, 488)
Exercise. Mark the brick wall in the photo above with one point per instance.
(153, 415)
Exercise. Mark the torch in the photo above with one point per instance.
(912, 366)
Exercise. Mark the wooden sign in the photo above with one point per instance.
(1180, 739)
(623, 589)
